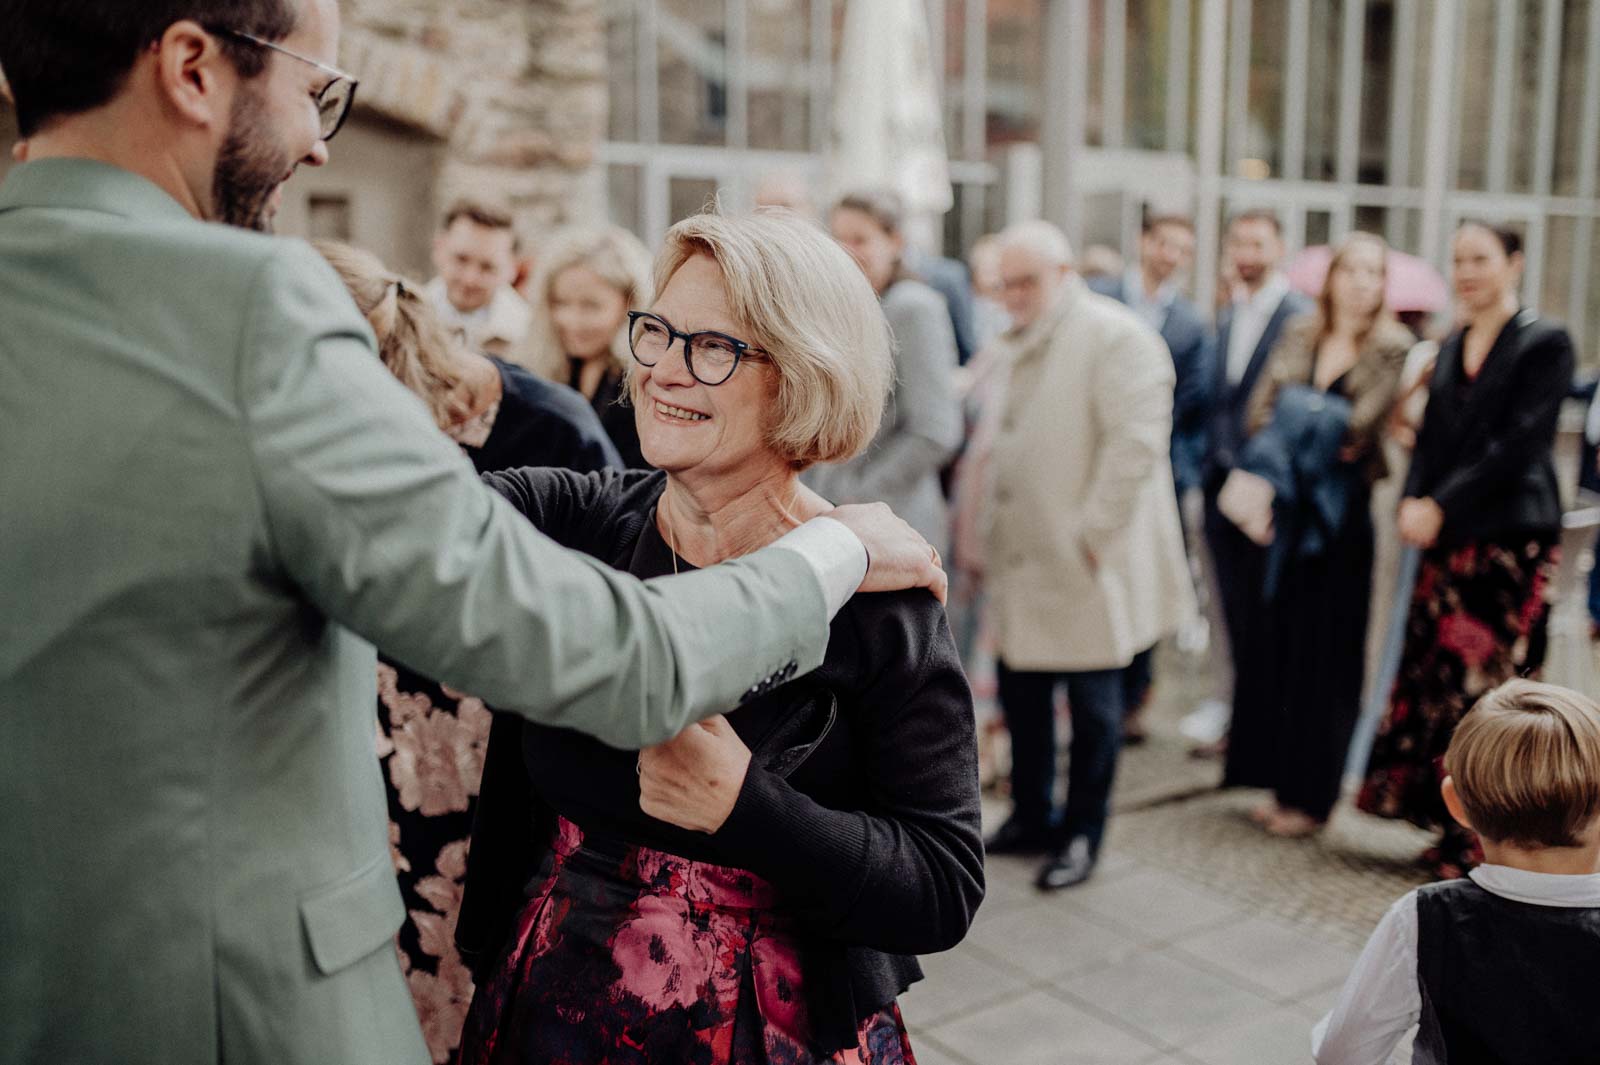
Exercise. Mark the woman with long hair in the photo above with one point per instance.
(587, 280)
(1483, 504)
(431, 737)
(1350, 350)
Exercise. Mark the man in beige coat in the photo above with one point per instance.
(1085, 550)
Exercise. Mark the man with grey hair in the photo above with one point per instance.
(1085, 551)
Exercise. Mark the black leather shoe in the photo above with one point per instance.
(1067, 868)
(1015, 837)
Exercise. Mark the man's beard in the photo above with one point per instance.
(248, 169)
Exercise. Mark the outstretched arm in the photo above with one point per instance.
(380, 522)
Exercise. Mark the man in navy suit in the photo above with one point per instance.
(1247, 329)
(1150, 290)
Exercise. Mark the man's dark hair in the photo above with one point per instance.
(478, 212)
(64, 57)
(1259, 214)
(485, 214)
(1156, 219)
(1509, 238)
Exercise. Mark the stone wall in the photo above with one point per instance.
(515, 89)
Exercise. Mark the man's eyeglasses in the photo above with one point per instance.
(710, 356)
(336, 97)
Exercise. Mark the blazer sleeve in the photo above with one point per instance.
(1370, 408)
(904, 873)
(1542, 378)
(927, 428)
(1132, 403)
(1192, 362)
(381, 523)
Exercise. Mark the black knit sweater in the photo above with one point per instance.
(860, 805)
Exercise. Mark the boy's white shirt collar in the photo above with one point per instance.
(1541, 889)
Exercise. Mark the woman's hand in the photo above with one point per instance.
(1420, 521)
(694, 779)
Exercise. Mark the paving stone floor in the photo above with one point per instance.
(1200, 940)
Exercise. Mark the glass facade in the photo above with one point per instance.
(1398, 116)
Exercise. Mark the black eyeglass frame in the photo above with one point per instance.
(741, 349)
(338, 76)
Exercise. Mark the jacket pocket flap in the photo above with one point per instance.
(801, 730)
(353, 916)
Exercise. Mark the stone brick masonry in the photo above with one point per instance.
(515, 88)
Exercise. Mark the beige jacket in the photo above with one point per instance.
(1085, 561)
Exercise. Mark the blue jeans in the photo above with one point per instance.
(1096, 699)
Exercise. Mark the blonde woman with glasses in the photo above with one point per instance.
(754, 890)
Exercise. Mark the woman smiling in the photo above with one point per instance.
(754, 889)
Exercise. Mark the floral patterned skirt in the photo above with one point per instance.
(636, 956)
(1477, 619)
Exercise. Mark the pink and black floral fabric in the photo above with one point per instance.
(632, 956)
(431, 742)
(1477, 619)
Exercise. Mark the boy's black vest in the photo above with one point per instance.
(1503, 982)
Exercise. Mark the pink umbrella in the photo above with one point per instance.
(1414, 285)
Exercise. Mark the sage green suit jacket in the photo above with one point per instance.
(214, 502)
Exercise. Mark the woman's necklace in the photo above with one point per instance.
(672, 545)
(672, 539)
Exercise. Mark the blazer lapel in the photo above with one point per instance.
(1258, 358)
(1497, 368)
(1224, 335)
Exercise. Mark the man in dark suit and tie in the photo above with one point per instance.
(1247, 328)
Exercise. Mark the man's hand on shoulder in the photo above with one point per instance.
(897, 555)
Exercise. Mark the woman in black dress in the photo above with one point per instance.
(431, 738)
(1482, 503)
(1354, 348)
(587, 281)
(754, 890)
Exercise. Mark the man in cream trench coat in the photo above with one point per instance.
(1085, 553)
(214, 501)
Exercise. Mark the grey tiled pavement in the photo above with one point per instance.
(1200, 941)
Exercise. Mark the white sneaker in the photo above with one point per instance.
(1206, 723)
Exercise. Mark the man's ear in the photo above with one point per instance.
(193, 76)
(1452, 802)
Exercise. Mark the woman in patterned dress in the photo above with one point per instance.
(431, 738)
(755, 890)
(1483, 504)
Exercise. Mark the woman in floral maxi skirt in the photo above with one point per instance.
(1483, 504)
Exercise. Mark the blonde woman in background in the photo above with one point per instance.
(431, 738)
(588, 280)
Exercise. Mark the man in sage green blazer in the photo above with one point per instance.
(214, 501)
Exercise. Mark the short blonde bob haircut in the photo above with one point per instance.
(1526, 765)
(620, 261)
(800, 298)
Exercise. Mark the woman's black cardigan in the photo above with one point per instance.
(861, 801)
(1484, 451)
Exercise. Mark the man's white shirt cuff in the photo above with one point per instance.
(834, 553)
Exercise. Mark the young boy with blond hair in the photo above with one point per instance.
(1504, 967)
